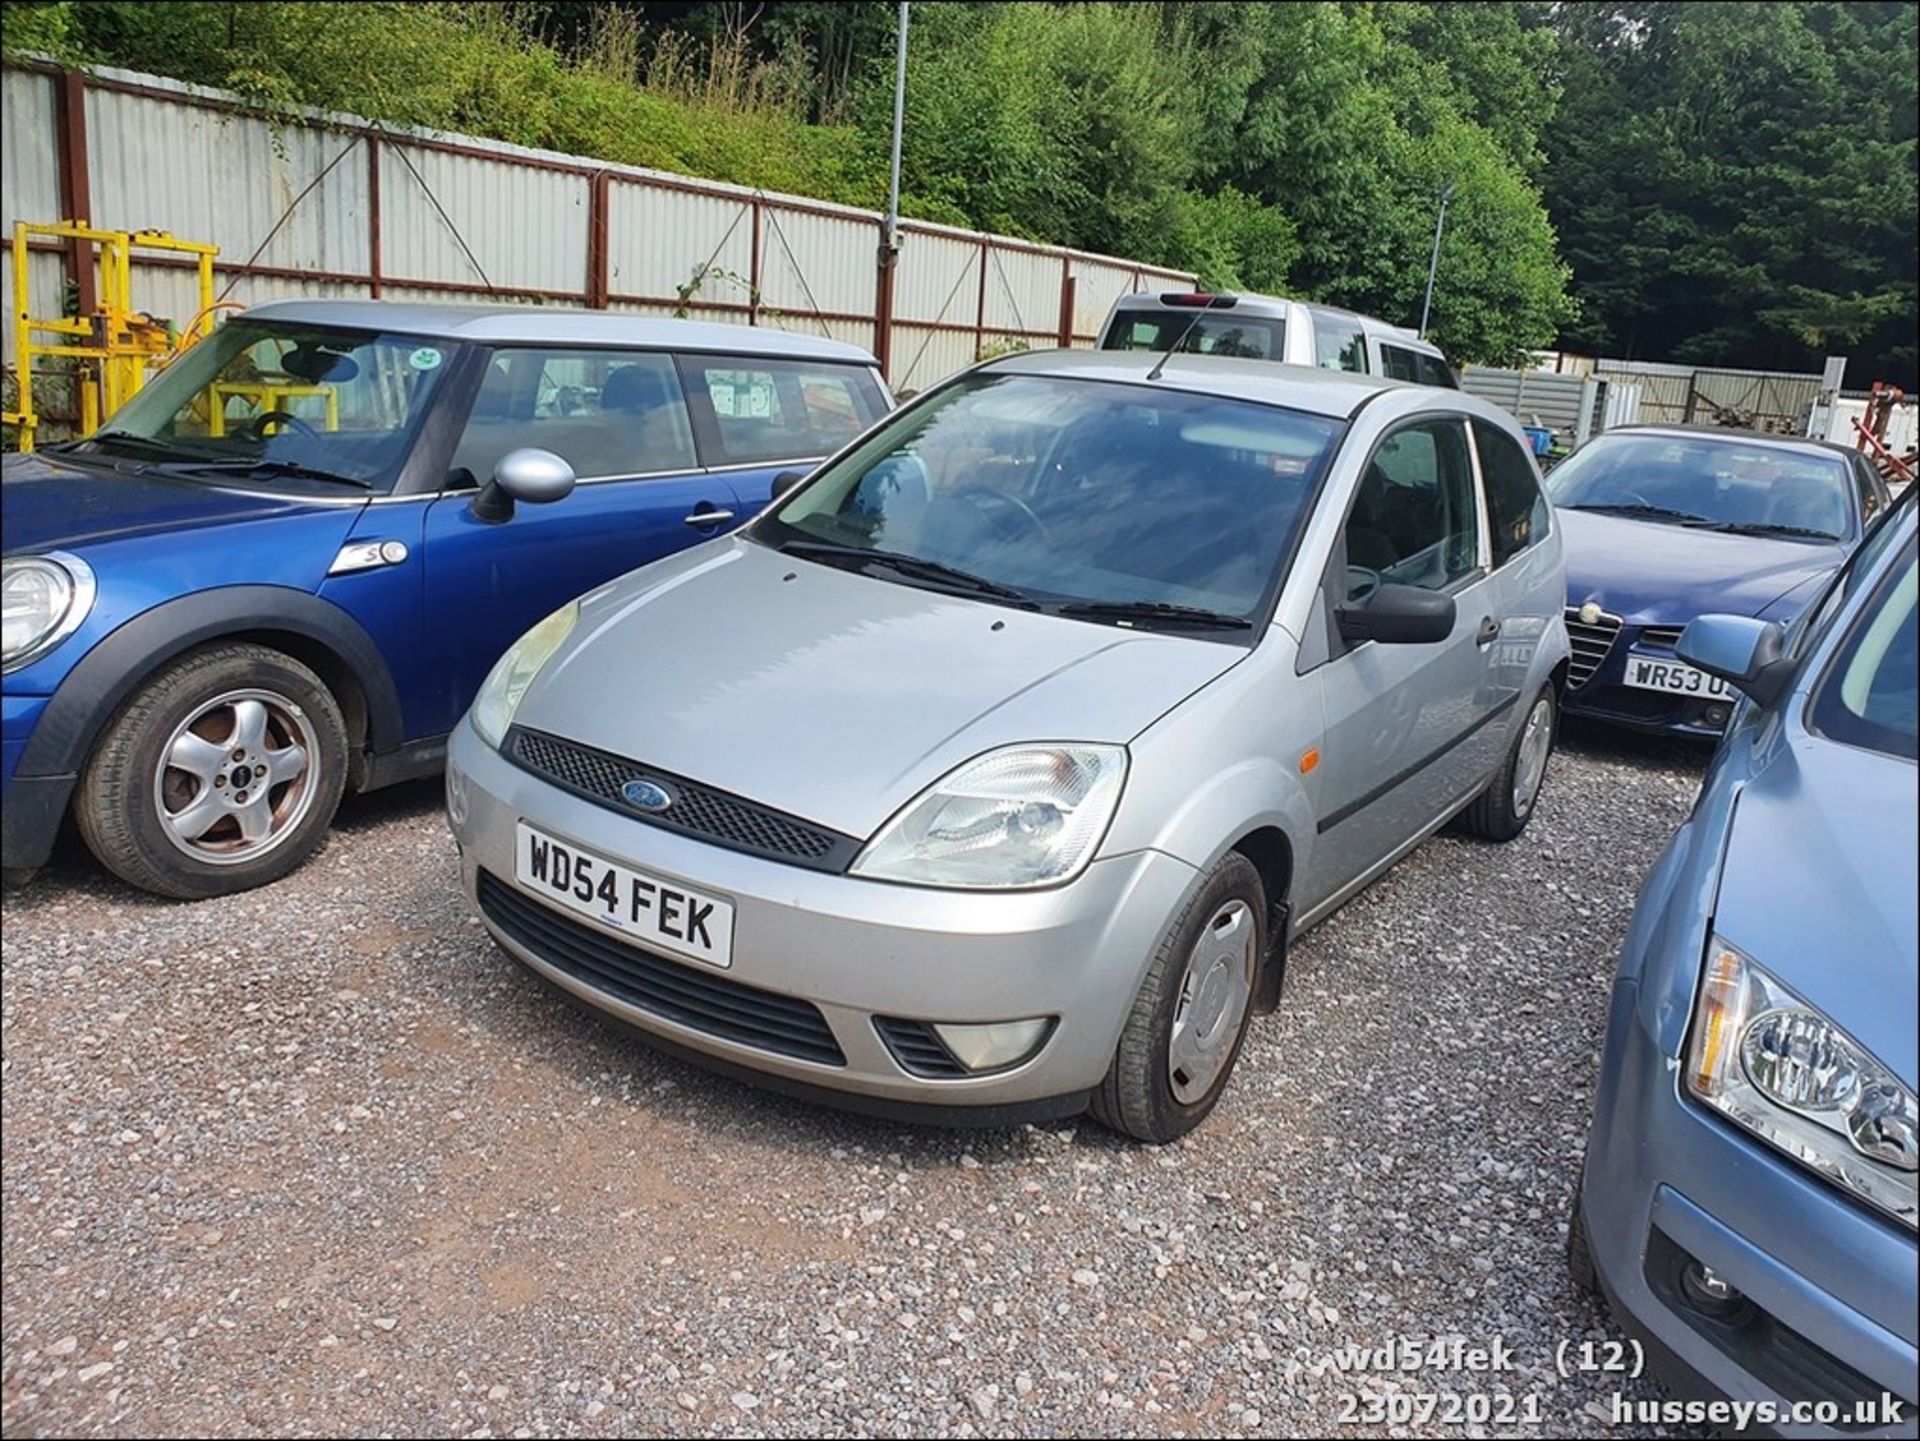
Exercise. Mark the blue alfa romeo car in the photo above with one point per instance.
(286, 565)
(1664, 523)
(1748, 1202)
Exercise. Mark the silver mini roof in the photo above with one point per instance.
(550, 325)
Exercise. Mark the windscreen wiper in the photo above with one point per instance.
(917, 567)
(271, 465)
(165, 449)
(1656, 512)
(1152, 613)
(1767, 528)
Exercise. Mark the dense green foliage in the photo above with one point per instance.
(1737, 182)
(1730, 183)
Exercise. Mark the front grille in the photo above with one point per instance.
(1661, 637)
(697, 810)
(697, 999)
(918, 1048)
(1590, 645)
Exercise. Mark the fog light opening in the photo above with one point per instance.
(995, 1045)
(1707, 1289)
(1717, 715)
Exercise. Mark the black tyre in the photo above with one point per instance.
(1580, 1252)
(1188, 1021)
(220, 774)
(1502, 810)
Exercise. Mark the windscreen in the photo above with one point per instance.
(1063, 492)
(288, 403)
(1707, 481)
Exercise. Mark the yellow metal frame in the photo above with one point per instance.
(122, 342)
(267, 398)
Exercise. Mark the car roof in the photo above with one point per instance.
(549, 325)
(1271, 306)
(1733, 433)
(1307, 388)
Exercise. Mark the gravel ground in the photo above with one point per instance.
(320, 1159)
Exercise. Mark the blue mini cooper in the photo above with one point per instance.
(287, 564)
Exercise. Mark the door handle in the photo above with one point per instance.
(1489, 632)
(709, 516)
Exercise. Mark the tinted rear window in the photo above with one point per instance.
(1216, 332)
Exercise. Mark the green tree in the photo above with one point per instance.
(1734, 183)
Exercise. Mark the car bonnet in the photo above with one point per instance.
(835, 696)
(1818, 888)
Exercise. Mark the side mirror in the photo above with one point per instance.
(1397, 615)
(1744, 652)
(785, 481)
(538, 477)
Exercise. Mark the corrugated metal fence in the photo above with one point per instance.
(334, 205)
(1573, 407)
(1685, 394)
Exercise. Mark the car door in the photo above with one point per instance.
(1406, 725)
(1526, 588)
(759, 416)
(620, 419)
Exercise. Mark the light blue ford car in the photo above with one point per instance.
(1748, 1201)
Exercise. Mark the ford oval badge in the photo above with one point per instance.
(644, 795)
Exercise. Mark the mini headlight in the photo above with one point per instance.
(1022, 816)
(43, 599)
(505, 685)
(1761, 1056)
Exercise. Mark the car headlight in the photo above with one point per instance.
(43, 599)
(501, 692)
(1027, 815)
(1764, 1058)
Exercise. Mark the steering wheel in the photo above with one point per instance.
(1362, 581)
(286, 419)
(998, 504)
(1634, 497)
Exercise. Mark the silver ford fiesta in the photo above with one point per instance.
(987, 775)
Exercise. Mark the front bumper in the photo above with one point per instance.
(30, 806)
(1830, 1287)
(1650, 711)
(854, 949)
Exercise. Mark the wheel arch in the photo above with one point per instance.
(313, 631)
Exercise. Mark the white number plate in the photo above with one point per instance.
(649, 910)
(1672, 676)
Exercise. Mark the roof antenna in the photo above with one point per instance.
(1179, 340)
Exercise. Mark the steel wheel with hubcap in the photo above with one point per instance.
(1530, 760)
(1183, 1034)
(1502, 810)
(1214, 996)
(222, 772)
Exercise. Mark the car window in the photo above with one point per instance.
(334, 400)
(1413, 520)
(1517, 512)
(1213, 333)
(1870, 695)
(764, 410)
(1399, 363)
(1338, 344)
(1072, 492)
(1869, 486)
(1694, 479)
(1432, 370)
(606, 412)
